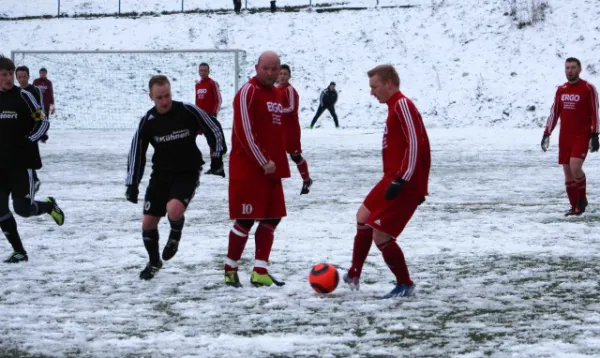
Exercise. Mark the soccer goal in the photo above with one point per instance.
(109, 89)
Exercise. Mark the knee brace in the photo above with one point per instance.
(296, 158)
(245, 223)
(272, 222)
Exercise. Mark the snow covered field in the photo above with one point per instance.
(500, 271)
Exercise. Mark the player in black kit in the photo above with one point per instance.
(19, 155)
(22, 73)
(171, 127)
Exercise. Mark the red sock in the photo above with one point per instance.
(581, 183)
(238, 236)
(572, 189)
(394, 258)
(263, 237)
(303, 169)
(362, 245)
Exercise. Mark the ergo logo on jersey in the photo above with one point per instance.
(570, 98)
(202, 91)
(274, 107)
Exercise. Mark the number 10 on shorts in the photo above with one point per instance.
(246, 209)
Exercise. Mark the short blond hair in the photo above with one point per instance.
(385, 73)
(159, 80)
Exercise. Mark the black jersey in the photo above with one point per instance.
(22, 124)
(37, 94)
(173, 136)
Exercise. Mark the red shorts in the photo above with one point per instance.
(572, 147)
(390, 216)
(291, 131)
(256, 198)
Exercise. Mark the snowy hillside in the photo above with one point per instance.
(463, 61)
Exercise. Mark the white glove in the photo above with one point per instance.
(51, 109)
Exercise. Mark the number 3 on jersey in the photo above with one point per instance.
(246, 209)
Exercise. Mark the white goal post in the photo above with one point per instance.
(109, 89)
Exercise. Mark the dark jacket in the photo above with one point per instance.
(328, 97)
(20, 129)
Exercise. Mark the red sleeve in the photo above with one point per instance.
(297, 104)
(412, 129)
(554, 114)
(288, 94)
(594, 108)
(50, 92)
(196, 99)
(243, 124)
(217, 97)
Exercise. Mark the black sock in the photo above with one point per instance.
(176, 228)
(43, 207)
(9, 227)
(151, 244)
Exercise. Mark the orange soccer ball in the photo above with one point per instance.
(323, 278)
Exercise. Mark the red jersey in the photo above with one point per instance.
(47, 90)
(406, 152)
(257, 134)
(577, 106)
(208, 96)
(290, 101)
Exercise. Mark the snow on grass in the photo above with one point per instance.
(499, 270)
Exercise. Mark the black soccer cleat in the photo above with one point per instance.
(150, 271)
(16, 257)
(172, 245)
(306, 187)
(581, 206)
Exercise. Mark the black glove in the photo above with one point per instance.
(422, 200)
(131, 194)
(216, 167)
(394, 188)
(44, 138)
(594, 142)
(545, 142)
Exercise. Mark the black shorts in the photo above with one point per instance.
(18, 182)
(165, 186)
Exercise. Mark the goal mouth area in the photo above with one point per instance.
(108, 89)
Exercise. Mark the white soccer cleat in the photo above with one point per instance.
(353, 282)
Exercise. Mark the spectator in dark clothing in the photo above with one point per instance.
(327, 102)
(237, 6)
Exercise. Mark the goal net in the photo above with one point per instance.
(109, 89)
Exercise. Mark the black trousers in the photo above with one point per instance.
(237, 6)
(320, 111)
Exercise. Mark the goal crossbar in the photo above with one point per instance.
(236, 53)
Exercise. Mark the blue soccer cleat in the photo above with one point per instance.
(401, 291)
